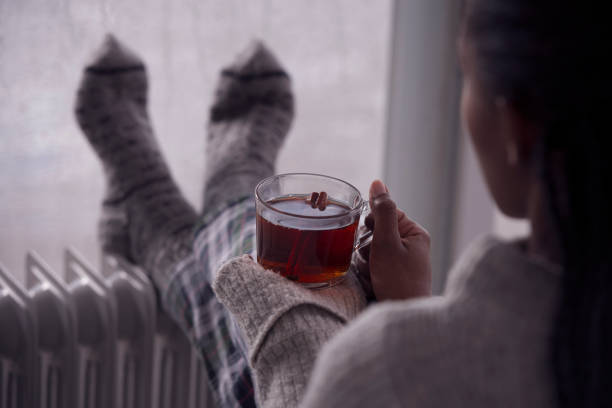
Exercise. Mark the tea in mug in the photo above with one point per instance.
(301, 252)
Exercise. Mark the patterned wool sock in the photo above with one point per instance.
(145, 219)
(249, 120)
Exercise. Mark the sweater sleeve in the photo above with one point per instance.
(284, 324)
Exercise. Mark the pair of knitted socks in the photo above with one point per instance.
(145, 218)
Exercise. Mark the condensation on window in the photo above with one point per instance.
(50, 181)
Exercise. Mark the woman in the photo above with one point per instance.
(524, 323)
(520, 324)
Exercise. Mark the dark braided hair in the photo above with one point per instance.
(551, 61)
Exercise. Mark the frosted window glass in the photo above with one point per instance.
(50, 182)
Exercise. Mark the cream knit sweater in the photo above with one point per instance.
(484, 343)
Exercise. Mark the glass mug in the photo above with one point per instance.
(302, 243)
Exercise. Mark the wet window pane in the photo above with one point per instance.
(50, 182)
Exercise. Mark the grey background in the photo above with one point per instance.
(51, 183)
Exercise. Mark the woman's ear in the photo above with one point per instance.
(518, 133)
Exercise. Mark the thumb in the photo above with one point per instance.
(385, 215)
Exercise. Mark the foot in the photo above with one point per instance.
(249, 121)
(143, 210)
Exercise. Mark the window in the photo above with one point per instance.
(52, 184)
(376, 86)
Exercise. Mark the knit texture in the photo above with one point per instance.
(249, 121)
(145, 218)
(484, 343)
(284, 324)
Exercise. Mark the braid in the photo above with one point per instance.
(581, 359)
(577, 347)
(546, 58)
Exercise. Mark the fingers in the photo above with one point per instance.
(369, 221)
(407, 227)
(385, 215)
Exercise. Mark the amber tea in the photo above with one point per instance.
(301, 250)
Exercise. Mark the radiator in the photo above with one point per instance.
(92, 340)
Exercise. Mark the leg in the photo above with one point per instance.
(249, 121)
(145, 218)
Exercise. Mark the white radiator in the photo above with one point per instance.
(92, 340)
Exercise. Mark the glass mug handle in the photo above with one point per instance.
(366, 238)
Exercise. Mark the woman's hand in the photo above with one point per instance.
(399, 254)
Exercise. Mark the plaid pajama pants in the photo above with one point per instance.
(189, 299)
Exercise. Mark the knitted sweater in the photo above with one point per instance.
(484, 343)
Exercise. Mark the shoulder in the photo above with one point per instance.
(479, 250)
(502, 273)
(495, 278)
